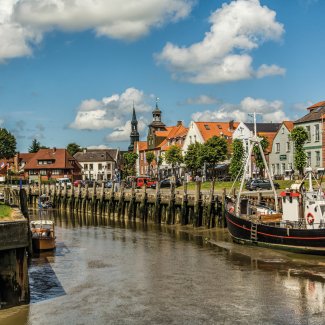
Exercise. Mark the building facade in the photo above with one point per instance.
(98, 164)
(281, 157)
(313, 123)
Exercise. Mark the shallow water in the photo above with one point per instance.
(108, 272)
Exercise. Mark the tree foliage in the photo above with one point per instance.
(7, 144)
(35, 146)
(73, 148)
(150, 156)
(299, 136)
(174, 157)
(192, 158)
(258, 156)
(214, 151)
(237, 159)
(130, 159)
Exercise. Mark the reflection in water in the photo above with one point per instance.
(121, 272)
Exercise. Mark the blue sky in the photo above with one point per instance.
(71, 72)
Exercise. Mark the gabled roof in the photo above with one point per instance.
(210, 129)
(93, 155)
(26, 157)
(60, 157)
(315, 113)
(264, 127)
(289, 125)
(142, 145)
(270, 137)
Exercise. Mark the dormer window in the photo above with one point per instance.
(207, 127)
(219, 127)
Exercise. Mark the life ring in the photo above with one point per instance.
(310, 218)
(231, 209)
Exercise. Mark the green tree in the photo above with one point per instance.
(150, 156)
(192, 158)
(35, 146)
(130, 159)
(7, 144)
(159, 160)
(73, 148)
(214, 151)
(174, 157)
(237, 159)
(258, 156)
(299, 136)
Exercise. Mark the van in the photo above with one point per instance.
(64, 180)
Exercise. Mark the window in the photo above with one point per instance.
(108, 166)
(100, 166)
(317, 158)
(91, 166)
(308, 131)
(85, 166)
(277, 147)
(282, 130)
(273, 169)
(316, 132)
(278, 169)
(207, 127)
(290, 166)
(190, 139)
(288, 146)
(141, 155)
(195, 138)
(308, 158)
(283, 168)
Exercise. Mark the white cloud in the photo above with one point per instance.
(302, 106)
(100, 146)
(23, 22)
(202, 100)
(223, 55)
(122, 133)
(109, 112)
(269, 111)
(1, 122)
(269, 70)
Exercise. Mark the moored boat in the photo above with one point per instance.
(299, 227)
(43, 234)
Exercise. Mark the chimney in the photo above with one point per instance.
(54, 149)
(84, 150)
(231, 125)
(179, 123)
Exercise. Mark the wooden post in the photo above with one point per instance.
(132, 204)
(223, 214)
(184, 220)
(157, 209)
(197, 222)
(171, 205)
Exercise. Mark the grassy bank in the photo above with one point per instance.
(219, 186)
(5, 211)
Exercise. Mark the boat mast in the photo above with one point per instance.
(255, 140)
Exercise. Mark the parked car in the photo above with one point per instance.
(63, 180)
(166, 183)
(260, 184)
(77, 182)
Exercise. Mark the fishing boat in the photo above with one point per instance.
(44, 202)
(43, 235)
(299, 226)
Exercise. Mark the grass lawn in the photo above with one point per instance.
(219, 186)
(5, 211)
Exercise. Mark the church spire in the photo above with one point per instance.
(134, 136)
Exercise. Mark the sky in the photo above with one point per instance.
(71, 70)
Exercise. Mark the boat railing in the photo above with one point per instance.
(294, 225)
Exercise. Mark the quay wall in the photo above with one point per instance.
(14, 248)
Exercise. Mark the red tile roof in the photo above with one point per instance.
(319, 104)
(210, 129)
(142, 145)
(60, 157)
(289, 125)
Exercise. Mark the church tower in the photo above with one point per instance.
(155, 126)
(134, 136)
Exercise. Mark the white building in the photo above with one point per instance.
(98, 164)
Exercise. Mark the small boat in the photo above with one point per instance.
(43, 235)
(299, 226)
(44, 202)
